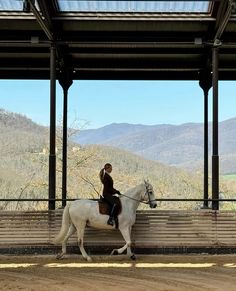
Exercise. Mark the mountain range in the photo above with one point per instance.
(175, 145)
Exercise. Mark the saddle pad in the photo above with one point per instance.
(104, 207)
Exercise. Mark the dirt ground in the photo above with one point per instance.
(159, 272)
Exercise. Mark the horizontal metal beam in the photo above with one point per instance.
(115, 44)
(158, 199)
(136, 16)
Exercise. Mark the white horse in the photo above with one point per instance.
(81, 213)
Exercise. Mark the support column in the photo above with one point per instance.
(205, 82)
(215, 153)
(65, 81)
(64, 149)
(52, 147)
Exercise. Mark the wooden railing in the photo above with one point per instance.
(153, 229)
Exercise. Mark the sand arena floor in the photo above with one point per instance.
(159, 272)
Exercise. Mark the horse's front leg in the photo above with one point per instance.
(129, 252)
(126, 233)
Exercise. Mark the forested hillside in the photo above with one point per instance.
(24, 168)
(21, 140)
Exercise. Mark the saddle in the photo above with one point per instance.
(105, 208)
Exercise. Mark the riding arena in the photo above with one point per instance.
(71, 247)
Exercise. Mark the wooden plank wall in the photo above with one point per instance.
(153, 229)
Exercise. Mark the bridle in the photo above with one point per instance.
(148, 192)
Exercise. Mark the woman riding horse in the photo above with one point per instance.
(79, 214)
(108, 190)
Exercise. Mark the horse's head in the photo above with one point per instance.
(149, 195)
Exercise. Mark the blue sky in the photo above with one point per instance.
(98, 103)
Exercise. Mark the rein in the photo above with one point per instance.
(140, 201)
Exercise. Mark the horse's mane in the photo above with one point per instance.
(133, 189)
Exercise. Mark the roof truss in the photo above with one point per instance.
(153, 46)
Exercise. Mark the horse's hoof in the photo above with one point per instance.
(133, 257)
(59, 256)
(89, 259)
(114, 252)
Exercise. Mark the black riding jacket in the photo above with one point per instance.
(108, 189)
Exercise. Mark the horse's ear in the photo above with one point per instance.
(145, 181)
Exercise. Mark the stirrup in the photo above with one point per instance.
(110, 221)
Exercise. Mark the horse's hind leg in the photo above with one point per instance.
(80, 233)
(71, 231)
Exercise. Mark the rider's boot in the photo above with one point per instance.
(111, 217)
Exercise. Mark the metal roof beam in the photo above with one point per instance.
(222, 18)
(41, 20)
(49, 10)
(222, 11)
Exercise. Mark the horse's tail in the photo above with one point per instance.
(64, 226)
